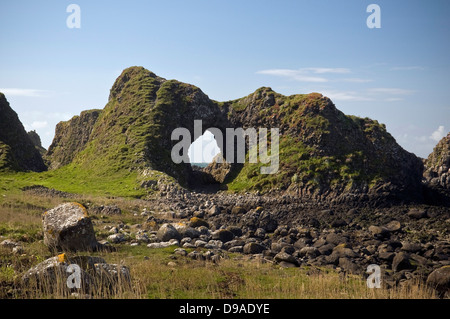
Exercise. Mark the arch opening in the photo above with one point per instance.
(203, 150)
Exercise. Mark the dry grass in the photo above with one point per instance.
(233, 277)
(250, 279)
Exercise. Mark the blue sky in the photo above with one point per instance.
(398, 74)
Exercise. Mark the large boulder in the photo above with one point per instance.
(58, 275)
(68, 227)
(439, 279)
(52, 275)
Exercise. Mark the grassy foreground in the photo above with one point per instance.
(158, 273)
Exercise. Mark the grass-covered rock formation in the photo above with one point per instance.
(322, 151)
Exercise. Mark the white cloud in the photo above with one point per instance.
(346, 96)
(296, 75)
(326, 70)
(24, 92)
(392, 91)
(438, 134)
(407, 68)
(36, 125)
(355, 80)
(394, 99)
(308, 74)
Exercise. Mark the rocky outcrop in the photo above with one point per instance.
(71, 138)
(324, 154)
(68, 227)
(437, 165)
(218, 169)
(17, 151)
(36, 139)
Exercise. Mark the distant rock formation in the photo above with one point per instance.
(437, 165)
(36, 139)
(17, 151)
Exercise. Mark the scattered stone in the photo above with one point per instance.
(386, 255)
(186, 231)
(214, 211)
(233, 243)
(197, 222)
(238, 210)
(110, 210)
(142, 238)
(393, 226)
(336, 239)
(283, 256)
(348, 265)
(310, 252)
(266, 221)
(379, 232)
(180, 251)
(116, 238)
(338, 223)
(253, 248)
(10, 244)
(401, 261)
(214, 244)
(200, 243)
(223, 235)
(164, 244)
(167, 232)
(236, 249)
(237, 231)
(260, 233)
(416, 213)
(411, 247)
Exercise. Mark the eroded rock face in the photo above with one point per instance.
(68, 227)
(71, 138)
(437, 165)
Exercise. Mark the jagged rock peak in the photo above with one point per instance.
(135, 73)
